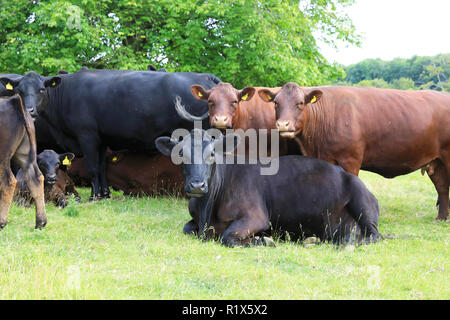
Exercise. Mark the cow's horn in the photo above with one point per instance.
(181, 110)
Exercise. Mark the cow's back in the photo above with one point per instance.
(394, 131)
(128, 109)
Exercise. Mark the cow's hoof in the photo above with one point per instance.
(310, 242)
(40, 225)
(2, 225)
(439, 218)
(268, 242)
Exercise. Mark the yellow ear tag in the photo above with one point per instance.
(9, 86)
(114, 159)
(199, 94)
(53, 84)
(268, 97)
(66, 161)
(314, 99)
(244, 97)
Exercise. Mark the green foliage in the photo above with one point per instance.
(406, 74)
(377, 83)
(245, 42)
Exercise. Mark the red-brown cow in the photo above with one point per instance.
(232, 108)
(390, 132)
(135, 174)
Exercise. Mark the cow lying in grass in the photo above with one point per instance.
(57, 184)
(136, 174)
(307, 197)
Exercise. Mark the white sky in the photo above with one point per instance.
(396, 28)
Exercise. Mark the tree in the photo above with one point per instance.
(403, 84)
(245, 42)
(377, 83)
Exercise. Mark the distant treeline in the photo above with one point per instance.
(415, 73)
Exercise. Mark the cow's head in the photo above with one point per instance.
(223, 100)
(199, 152)
(31, 88)
(50, 162)
(290, 103)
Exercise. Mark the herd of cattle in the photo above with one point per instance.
(102, 128)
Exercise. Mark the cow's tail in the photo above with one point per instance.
(27, 124)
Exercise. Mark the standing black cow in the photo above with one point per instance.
(121, 109)
(307, 197)
(31, 88)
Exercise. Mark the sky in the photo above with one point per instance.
(396, 28)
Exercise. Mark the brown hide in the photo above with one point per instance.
(390, 132)
(135, 174)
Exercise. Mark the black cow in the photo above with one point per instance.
(121, 109)
(307, 197)
(18, 145)
(57, 184)
(31, 88)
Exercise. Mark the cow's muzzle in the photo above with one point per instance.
(33, 112)
(221, 122)
(285, 128)
(196, 189)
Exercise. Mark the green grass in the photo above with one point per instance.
(128, 248)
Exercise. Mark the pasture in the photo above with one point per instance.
(134, 248)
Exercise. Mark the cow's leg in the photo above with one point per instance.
(35, 182)
(58, 197)
(191, 227)
(351, 165)
(441, 181)
(90, 146)
(363, 207)
(104, 189)
(242, 229)
(7, 186)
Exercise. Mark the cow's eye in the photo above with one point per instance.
(42, 90)
(300, 105)
(234, 104)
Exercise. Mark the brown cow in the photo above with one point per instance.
(18, 145)
(57, 184)
(389, 132)
(135, 174)
(232, 108)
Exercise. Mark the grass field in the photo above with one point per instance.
(128, 248)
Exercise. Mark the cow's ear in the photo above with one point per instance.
(66, 158)
(10, 84)
(246, 94)
(116, 157)
(266, 95)
(199, 92)
(165, 145)
(52, 81)
(313, 96)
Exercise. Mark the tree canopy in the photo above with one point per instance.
(245, 42)
(406, 74)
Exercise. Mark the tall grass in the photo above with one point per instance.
(134, 248)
